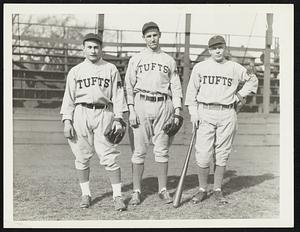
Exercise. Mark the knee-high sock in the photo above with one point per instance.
(114, 176)
(218, 177)
(162, 175)
(84, 176)
(203, 178)
(115, 180)
(137, 175)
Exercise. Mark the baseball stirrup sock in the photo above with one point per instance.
(218, 177)
(83, 175)
(203, 177)
(137, 174)
(162, 175)
(114, 176)
(85, 188)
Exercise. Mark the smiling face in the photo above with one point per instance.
(217, 52)
(92, 50)
(151, 37)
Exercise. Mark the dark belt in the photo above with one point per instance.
(153, 98)
(93, 106)
(216, 106)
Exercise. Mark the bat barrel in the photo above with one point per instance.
(178, 193)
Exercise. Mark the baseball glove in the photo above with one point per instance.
(114, 136)
(172, 128)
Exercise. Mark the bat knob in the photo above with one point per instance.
(175, 205)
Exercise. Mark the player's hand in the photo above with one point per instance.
(239, 102)
(176, 120)
(133, 119)
(195, 121)
(117, 126)
(69, 131)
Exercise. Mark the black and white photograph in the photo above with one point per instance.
(148, 115)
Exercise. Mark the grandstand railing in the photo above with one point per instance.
(40, 69)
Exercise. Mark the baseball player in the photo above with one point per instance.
(212, 98)
(154, 98)
(94, 100)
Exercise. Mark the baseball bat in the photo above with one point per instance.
(178, 193)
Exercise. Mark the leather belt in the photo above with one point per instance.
(93, 106)
(216, 106)
(153, 98)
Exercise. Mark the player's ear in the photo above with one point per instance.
(159, 34)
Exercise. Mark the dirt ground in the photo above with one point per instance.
(45, 186)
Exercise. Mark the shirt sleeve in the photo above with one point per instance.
(130, 81)
(250, 82)
(68, 103)
(175, 86)
(192, 91)
(118, 96)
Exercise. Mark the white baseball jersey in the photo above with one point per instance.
(154, 73)
(93, 83)
(213, 82)
(216, 83)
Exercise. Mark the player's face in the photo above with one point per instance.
(92, 50)
(151, 38)
(217, 52)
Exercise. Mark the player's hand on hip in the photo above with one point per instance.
(133, 119)
(69, 131)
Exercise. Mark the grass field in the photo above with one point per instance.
(45, 186)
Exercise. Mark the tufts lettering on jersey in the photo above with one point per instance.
(152, 66)
(91, 81)
(216, 80)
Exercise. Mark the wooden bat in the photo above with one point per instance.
(178, 193)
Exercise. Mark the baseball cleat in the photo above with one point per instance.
(199, 196)
(218, 196)
(135, 199)
(165, 196)
(85, 201)
(119, 204)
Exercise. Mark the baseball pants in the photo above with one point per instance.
(215, 135)
(89, 125)
(153, 116)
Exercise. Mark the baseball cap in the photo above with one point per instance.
(92, 36)
(148, 26)
(217, 39)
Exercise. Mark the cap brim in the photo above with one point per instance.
(216, 44)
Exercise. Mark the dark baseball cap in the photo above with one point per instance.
(92, 36)
(148, 26)
(217, 39)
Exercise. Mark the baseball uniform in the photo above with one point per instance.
(93, 97)
(211, 95)
(154, 100)
(153, 87)
(211, 98)
(93, 103)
